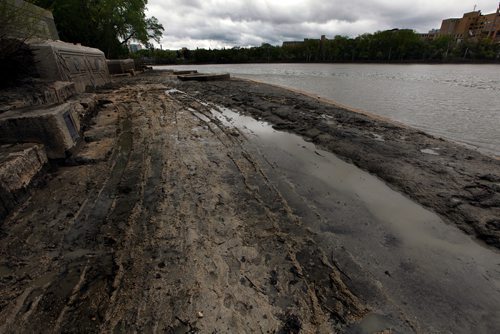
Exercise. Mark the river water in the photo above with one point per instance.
(457, 102)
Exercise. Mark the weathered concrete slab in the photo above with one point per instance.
(204, 77)
(57, 127)
(120, 66)
(19, 164)
(182, 72)
(39, 93)
(60, 61)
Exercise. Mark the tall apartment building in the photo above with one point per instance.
(473, 25)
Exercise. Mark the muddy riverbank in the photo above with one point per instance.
(163, 222)
(179, 215)
(460, 184)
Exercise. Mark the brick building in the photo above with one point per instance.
(473, 25)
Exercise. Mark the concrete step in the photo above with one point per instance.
(57, 127)
(35, 94)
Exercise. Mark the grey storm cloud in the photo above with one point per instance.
(227, 23)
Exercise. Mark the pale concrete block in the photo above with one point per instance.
(60, 61)
(57, 127)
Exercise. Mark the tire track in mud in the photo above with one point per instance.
(340, 304)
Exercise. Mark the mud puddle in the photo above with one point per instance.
(439, 277)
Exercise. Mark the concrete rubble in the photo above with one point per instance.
(19, 164)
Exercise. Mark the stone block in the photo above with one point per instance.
(121, 66)
(19, 165)
(60, 61)
(57, 127)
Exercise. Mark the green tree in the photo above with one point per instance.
(104, 24)
(441, 47)
(19, 21)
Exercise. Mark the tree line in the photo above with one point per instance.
(382, 46)
(104, 24)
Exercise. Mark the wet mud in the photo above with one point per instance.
(427, 268)
(174, 228)
(460, 184)
(171, 219)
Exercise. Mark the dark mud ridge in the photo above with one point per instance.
(460, 184)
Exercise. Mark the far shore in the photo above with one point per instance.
(412, 62)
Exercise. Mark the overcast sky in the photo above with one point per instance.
(228, 23)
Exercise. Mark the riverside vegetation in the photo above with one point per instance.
(398, 45)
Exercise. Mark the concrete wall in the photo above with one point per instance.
(60, 61)
(28, 21)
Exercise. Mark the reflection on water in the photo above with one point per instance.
(458, 102)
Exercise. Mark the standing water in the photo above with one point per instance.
(457, 102)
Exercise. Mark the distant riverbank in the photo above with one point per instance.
(346, 62)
